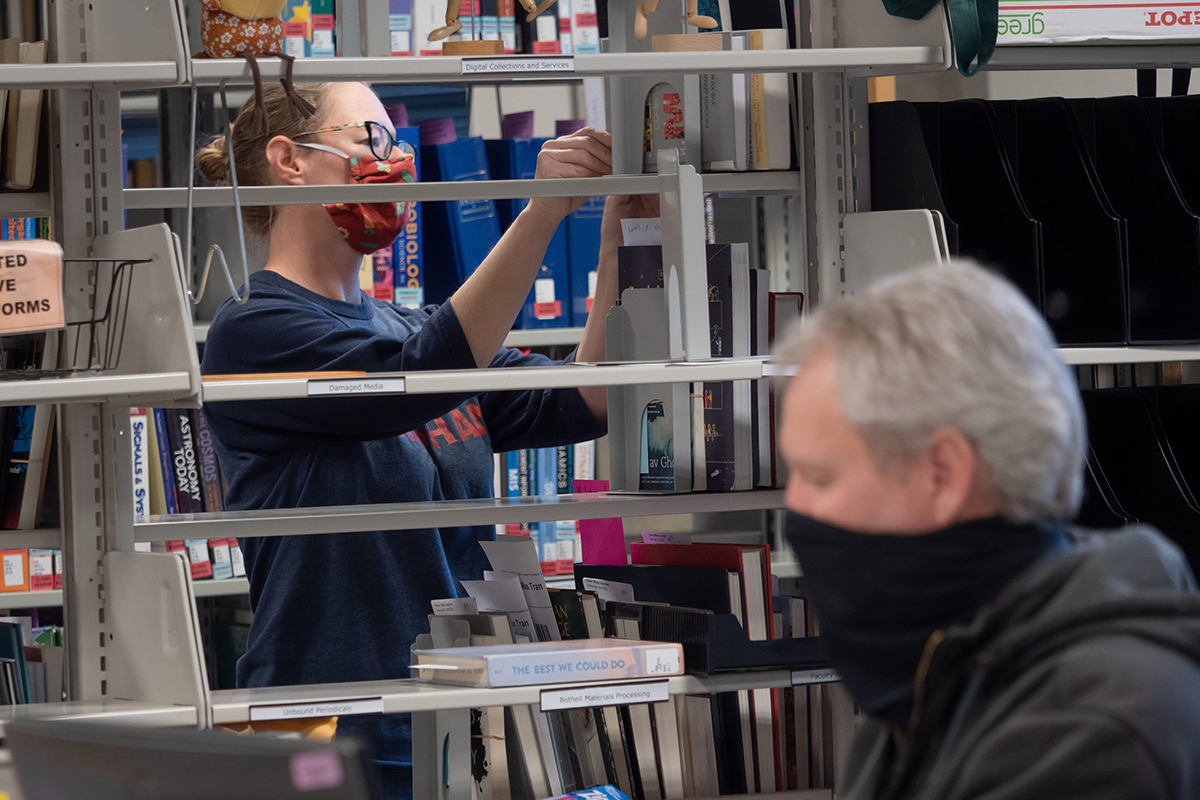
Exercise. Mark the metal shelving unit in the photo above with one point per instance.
(47, 599)
(415, 516)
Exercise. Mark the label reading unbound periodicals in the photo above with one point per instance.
(335, 708)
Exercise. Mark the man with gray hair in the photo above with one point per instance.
(935, 444)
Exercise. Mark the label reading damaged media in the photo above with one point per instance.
(613, 694)
(334, 708)
(356, 386)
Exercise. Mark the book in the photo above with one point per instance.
(770, 109)
(16, 570)
(139, 439)
(198, 558)
(41, 570)
(783, 314)
(585, 27)
(546, 476)
(507, 13)
(10, 53)
(761, 425)
(409, 279)
(220, 559)
(548, 303)
(564, 530)
(428, 16)
(549, 662)
(538, 36)
(185, 469)
(664, 125)
(400, 26)
(12, 651)
(725, 114)
(583, 255)
(22, 125)
(297, 28)
(565, 46)
(162, 470)
(324, 24)
(210, 470)
(464, 231)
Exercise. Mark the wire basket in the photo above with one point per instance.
(91, 341)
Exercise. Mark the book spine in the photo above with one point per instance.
(41, 570)
(546, 470)
(210, 470)
(512, 484)
(759, 151)
(324, 42)
(222, 562)
(297, 29)
(564, 27)
(507, 11)
(236, 559)
(197, 555)
(141, 468)
(184, 469)
(564, 533)
(16, 570)
(524, 478)
(400, 26)
(165, 461)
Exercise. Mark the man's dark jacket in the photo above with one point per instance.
(1081, 680)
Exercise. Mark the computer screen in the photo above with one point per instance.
(66, 759)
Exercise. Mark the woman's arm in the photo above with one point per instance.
(489, 302)
(592, 345)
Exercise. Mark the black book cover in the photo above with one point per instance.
(185, 470)
(689, 587)
(210, 469)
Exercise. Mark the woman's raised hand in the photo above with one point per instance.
(587, 153)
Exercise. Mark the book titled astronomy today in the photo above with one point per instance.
(580, 660)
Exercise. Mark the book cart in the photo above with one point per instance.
(134, 650)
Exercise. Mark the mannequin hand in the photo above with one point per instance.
(587, 153)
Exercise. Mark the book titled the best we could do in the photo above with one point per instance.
(549, 662)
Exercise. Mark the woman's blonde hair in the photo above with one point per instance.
(250, 146)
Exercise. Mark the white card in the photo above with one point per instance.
(504, 596)
(520, 560)
(642, 231)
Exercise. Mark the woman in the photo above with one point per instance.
(347, 607)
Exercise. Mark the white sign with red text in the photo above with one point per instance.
(1079, 21)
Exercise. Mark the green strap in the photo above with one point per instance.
(973, 22)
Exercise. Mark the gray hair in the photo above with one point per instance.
(958, 347)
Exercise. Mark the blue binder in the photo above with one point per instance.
(548, 304)
(583, 253)
(459, 234)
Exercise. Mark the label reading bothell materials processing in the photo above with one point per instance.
(616, 694)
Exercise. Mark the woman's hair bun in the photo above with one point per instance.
(213, 160)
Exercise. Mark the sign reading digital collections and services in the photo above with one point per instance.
(1024, 22)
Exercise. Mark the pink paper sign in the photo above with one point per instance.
(316, 770)
(602, 540)
(31, 286)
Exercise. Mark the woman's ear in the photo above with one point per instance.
(283, 158)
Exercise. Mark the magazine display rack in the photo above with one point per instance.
(134, 651)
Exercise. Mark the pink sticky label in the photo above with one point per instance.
(315, 770)
(602, 541)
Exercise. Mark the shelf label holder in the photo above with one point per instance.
(341, 386)
(331, 708)
(610, 694)
(516, 65)
(808, 677)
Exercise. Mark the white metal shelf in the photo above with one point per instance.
(117, 712)
(25, 204)
(407, 696)
(449, 69)
(437, 514)
(51, 598)
(223, 588)
(39, 538)
(1094, 56)
(1128, 355)
(95, 389)
(474, 381)
(85, 76)
(741, 183)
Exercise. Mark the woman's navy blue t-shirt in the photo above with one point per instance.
(347, 607)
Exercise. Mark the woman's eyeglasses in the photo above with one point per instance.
(380, 138)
